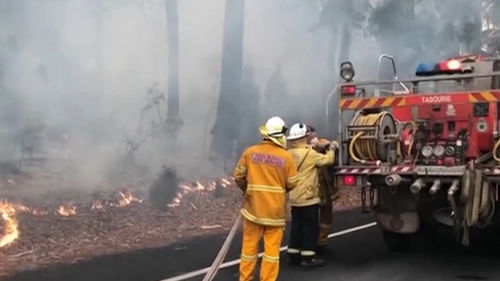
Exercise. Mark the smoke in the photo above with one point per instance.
(77, 72)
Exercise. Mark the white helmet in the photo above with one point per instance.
(275, 127)
(297, 131)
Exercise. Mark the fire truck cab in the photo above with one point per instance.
(423, 150)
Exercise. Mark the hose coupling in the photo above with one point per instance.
(436, 186)
(393, 180)
(453, 188)
(417, 186)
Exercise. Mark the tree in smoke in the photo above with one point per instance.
(226, 128)
(12, 13)
(490, 33)
(173, 112)
(277, 101)
(405, 29)
(410, 29)
(249, 110)
(339, 18)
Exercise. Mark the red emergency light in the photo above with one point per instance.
(454, 65)
(450, 66)
(348, 90)
(349, 180)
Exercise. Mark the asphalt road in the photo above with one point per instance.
(358, 256)
(362, 256)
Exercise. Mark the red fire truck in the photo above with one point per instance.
(425, 150)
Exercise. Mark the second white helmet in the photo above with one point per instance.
(297, 131)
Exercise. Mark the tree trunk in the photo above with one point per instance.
(173, 111)
(226, 127)
(345, 45)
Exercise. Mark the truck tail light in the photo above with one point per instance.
(348, 90)
(349, 180)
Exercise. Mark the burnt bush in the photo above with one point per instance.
(164, 189)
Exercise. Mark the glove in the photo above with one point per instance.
(334, 145)
(322, 146)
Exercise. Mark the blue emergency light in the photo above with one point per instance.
(425, 69)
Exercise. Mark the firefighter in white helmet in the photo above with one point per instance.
(265, 172)
(305, 199)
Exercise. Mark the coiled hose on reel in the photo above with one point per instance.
(371, 150)
(477, 195)
(495, 151)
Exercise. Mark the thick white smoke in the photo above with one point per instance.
(82, 69)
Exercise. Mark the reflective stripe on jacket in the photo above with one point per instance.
(265, 172)
(307, 191)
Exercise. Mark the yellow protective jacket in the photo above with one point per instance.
(307, 191)
(265, 172)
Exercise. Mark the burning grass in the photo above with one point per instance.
(72, 231)
(11, 228)
(120, 221)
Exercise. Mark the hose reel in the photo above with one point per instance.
(373, 137)
(478, 200)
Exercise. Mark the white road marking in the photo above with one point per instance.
(237, 261)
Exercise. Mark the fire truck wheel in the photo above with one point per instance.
(428, 235)
(397, 242)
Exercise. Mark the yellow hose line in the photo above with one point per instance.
(351, 148)
(414, 125)
(495, 151)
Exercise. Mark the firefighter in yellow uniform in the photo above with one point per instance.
(305, 199)
(265, 172)
(328, 191)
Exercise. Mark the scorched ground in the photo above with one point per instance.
(60, 225)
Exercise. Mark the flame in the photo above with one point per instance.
(226, 181)
(38, 212)
(127, 198)
(176, 202)
(200, 186)
(97, 205)
(190, 187)
(67, 209)
(11, 231)
(185, 187)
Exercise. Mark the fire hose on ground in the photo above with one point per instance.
(223, 251)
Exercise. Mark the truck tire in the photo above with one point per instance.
(397, 242)
(428, 236)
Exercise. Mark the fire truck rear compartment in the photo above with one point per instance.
(427, 155)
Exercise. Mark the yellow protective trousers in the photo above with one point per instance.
(252, 233)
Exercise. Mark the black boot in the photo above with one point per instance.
(312, 262)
